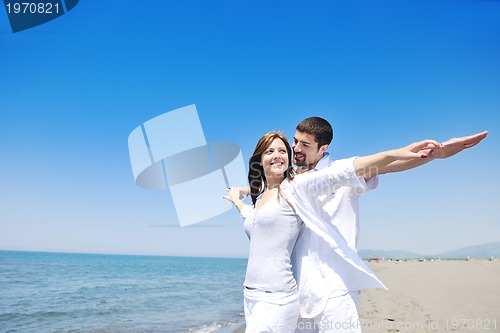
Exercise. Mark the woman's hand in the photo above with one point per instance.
(233, 194)
(422, 149)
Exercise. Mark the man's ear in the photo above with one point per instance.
(323, 148)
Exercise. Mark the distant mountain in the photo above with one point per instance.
(486, 251)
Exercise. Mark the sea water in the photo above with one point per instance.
(61, 292)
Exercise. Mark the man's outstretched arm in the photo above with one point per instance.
(450, 148)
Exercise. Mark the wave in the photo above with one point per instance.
(219, 327)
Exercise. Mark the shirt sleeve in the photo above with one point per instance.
(372, 183)
(245, 211)
(365, 185)
(327, 180)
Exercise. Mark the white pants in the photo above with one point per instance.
(264, 317)
(341, 314)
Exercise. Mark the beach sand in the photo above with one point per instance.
(432, 296)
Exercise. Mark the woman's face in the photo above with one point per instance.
(275, 159)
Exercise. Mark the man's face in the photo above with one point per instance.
(306, 150)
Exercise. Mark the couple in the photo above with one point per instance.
(303, 273)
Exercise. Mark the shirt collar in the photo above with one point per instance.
(322, 163)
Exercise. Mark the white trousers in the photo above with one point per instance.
(264, 317)
(341, 315)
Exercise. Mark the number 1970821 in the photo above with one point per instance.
(471, 324)
(32, 8)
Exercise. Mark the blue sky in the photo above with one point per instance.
(384, 73)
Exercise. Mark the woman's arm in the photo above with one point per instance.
(233, 195)
(244, 191)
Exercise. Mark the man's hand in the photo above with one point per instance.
(447, 149)
(456, 145)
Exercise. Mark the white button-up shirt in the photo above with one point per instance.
(325, 260)
(342, 206)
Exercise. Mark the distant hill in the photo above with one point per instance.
(486, 251)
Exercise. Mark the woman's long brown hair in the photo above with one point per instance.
(256, 177)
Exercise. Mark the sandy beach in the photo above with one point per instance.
(432, 296)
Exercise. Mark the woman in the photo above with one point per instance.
(281, 204)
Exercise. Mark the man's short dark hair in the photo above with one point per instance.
(319, 128)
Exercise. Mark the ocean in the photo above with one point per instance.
(63, 292)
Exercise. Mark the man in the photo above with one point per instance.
(329, 307)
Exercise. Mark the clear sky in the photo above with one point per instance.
(384, 73)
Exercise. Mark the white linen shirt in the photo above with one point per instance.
(342, 206)
(325, 259)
